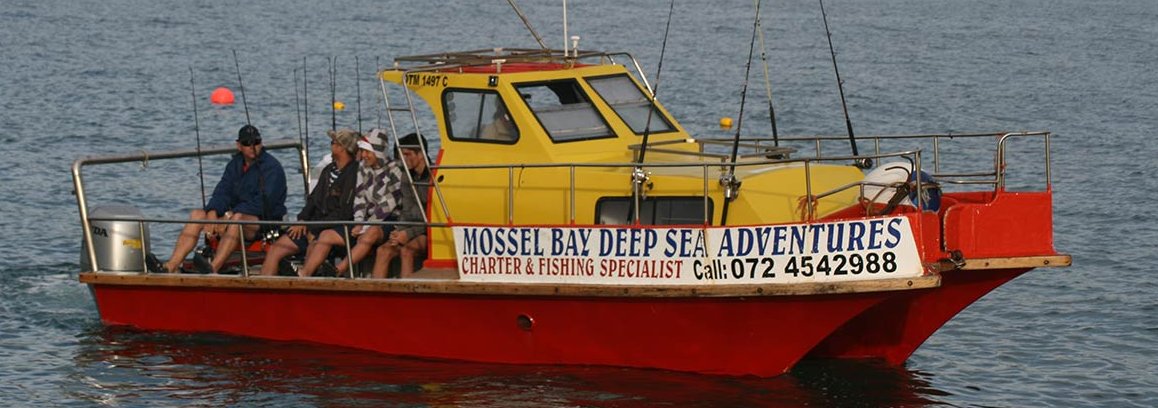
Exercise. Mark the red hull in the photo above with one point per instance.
(761, 336)
(893, 329)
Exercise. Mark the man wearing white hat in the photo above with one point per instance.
(376, 199)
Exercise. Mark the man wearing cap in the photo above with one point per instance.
(252, 188)
(375, 199)
(408, 241)
(331, 200)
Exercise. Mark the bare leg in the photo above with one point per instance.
(187, 240)
(281, 248)
(409, 252)
(386, 253)
(318, 251)
(231, 241)
(365, 243)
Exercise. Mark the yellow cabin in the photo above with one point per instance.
(533, 137)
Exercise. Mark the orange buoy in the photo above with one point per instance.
(221, 96)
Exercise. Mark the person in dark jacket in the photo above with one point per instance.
(331, 200)
(252, 188)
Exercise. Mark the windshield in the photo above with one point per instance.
(630, 103)
(564, 110)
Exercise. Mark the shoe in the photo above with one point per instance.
(327, 269)
(154, 265)
(286, 268)
(201, 265)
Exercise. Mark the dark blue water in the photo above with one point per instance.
(97, 77)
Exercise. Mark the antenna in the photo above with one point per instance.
(242, 86)
(565, 28)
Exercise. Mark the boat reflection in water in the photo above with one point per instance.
(130, 367)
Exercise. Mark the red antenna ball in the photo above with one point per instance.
(221, 96)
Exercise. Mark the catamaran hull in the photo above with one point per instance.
(893, 329)
(762, 336)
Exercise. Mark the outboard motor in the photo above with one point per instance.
(120, 246)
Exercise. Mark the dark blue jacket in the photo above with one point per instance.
(258, 191)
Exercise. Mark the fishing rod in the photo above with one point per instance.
(731, 185)
(197, 131)
(527, 23)
(862, 163)
(298, 105)
(333, 93)
(638, 176)
(306, 108)
(242, 87)
(767, 79)
(377, 102)
(358, 87)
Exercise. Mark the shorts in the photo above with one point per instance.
(386, 230)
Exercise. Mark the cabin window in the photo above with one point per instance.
(564, 110)
(478, 117)
(653, 211)
(630, 103)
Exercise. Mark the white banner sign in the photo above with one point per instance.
(790, 253)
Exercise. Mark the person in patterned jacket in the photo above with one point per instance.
(376, 198)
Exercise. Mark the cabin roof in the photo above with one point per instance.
(499, 60)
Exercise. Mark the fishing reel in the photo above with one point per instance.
(731, 186)
(641, 180)
(270, 234)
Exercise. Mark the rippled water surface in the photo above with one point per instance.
(87, 77)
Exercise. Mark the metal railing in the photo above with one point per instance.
(145, 157)
(997, 179)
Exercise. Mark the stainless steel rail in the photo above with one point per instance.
(997, 179)
(144, 157)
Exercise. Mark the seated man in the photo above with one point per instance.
(500, 128)
(408, 240)
(331, 200)
(251, 188)
(375, 199)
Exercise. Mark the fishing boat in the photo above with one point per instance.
(573, 220)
